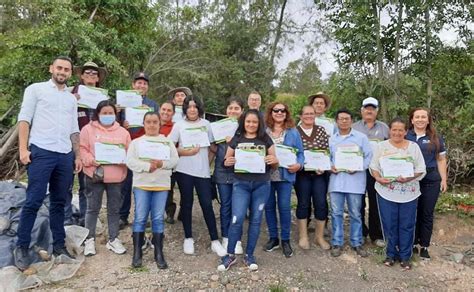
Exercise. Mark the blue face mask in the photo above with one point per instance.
(107, 120)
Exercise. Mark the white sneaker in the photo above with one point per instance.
(188, 246)
(216, 247)
(116, 246)
(89, 247)
(238, 248)
(225, 242)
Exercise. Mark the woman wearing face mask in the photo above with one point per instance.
(104, 129)
(422, 131)
(224, 176)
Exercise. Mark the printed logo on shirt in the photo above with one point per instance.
(426, 141)
(250, 146)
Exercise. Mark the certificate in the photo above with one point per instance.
(393, 167)
(129, 98)
(317, 160)
(134, 116)
(326, 123)
(192, 137)
(154, 150)
(91, 96)
(223, 129)
(286, 155)
(348, 160)
(249, 161)
(109, 153)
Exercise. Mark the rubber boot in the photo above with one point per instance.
(138, 240)
(319, 235)
(303, 233)
(159, 257)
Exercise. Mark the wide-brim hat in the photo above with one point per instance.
(91, 65)
(173, 91)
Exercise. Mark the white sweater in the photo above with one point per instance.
(141, 169)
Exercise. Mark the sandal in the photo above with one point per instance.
(406, 265)
(389, 261)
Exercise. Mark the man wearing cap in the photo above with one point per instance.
(376, 131)
(177, 96)
(48, 134)
(90, 74)
(140, 83)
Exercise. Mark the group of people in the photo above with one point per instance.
(58, 139)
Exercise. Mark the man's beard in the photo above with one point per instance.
(56, 79)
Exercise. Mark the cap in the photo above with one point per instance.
(141, 75)
(370, 101)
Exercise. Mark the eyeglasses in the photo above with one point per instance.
(344, 119)
(279, 110)
(91, 72)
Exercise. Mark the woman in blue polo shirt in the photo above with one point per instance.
(423, 132)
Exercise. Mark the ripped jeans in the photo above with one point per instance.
(247, 195)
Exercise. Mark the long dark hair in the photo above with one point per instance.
(430, 129)
(101, 105)
(261, 125)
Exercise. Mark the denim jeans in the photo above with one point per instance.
(225, 195)
(82, 199)
(311, 186)
(126, 195)
(354, 202)
(398, 223)
(147, 202)
(46, 167)
(283, 196)
(94, 194)
(247, 195)
(186, 184)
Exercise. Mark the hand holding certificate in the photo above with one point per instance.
(249, 161)
(134, 116)
(91, 96)
(317, 160)
(129, 98)
(223, 129)
(109, 153)
(193, 137)
(154, 150)
(393, 167)
(345, 160)
(286, 155)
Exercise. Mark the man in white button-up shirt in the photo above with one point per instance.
(48, 134)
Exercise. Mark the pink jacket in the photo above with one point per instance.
(95, 132)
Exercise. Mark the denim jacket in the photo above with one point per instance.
(292, 139)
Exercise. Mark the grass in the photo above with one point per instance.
(278, 287)
(363, 274)
(449, 202)
(141, 269)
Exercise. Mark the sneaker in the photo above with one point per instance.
(424, 255)
(123, 223)
(389, 261)
(272, 244)
(116, 246)
(89, 247)
(336, 251)
(287, 250)
(361, 251)
(238, 248)
(251, 263)
(226, 262)
(406, 265)
(415, 250)
(188, 246)
(57, 251)
(216, 247)
(22, 258)
(379, 243)
(225, 242)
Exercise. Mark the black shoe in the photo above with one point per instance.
(415, 249)
(424, 255)
(406, 265)
(138, 240)
(57, 251)
(389, 261)
(361, 251)
(272, 244)
(123, 223)
(22, 258)
(170, 211)
(159, 257)
(336, 251)
(287, 250)
(170, 220)
(82, 222)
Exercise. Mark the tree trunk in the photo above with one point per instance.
(376, 14)
(271, 70)
(397, 50)
(429, 81)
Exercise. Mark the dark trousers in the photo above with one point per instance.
(374, 229)
(187, 184)
(82, 199)
(126, 195)
(430, 188)
(310, 186)
(46, 167)
(170, 204)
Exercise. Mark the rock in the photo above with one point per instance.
(43, 254)
(214, 278)
(457, 257)
(229, 286)
(441, 232)
(224, 281)
(349, 258)
(255, 277)
(30, 271)
(214, 285)
(472, 260)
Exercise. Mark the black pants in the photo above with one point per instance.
(374, 230)
(429, 187)
(170, 204)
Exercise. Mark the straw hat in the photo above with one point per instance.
(91, 65)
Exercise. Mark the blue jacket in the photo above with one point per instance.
(292, 139)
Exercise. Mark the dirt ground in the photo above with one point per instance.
(313, 269)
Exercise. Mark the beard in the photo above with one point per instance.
(59, 79)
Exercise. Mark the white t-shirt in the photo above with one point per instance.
(196, 165)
